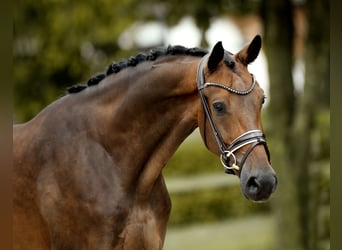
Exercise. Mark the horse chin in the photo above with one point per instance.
(258, 185)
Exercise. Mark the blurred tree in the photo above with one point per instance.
(295, 117)
(278, 37)
(311, 105)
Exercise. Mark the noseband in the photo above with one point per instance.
(253, 137)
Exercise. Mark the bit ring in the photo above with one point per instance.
(228, 154)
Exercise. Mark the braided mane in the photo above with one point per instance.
(135, 60)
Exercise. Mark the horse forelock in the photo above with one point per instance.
(155, 53)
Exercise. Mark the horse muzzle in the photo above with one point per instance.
(258, 184)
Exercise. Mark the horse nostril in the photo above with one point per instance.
(253, 185)
(259, 188)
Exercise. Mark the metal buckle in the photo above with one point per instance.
(227, 155)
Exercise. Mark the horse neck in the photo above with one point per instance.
(145, 123)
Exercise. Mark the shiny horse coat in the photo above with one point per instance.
(88, 168)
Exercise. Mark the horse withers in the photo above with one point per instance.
(88, 168)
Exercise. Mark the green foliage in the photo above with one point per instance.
(212, 205)
(191, 158)
(321, 136)
(61, 43)
(224, 235)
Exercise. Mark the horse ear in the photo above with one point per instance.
(216, 56)
(251, 51)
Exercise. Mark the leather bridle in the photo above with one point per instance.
(252, 137)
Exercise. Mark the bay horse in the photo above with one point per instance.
(88, 168)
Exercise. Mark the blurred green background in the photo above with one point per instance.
(58, 43)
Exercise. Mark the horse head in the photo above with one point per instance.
(230, 120)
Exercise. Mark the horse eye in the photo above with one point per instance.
(219, 107)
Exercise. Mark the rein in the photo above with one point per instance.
(253, 137)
